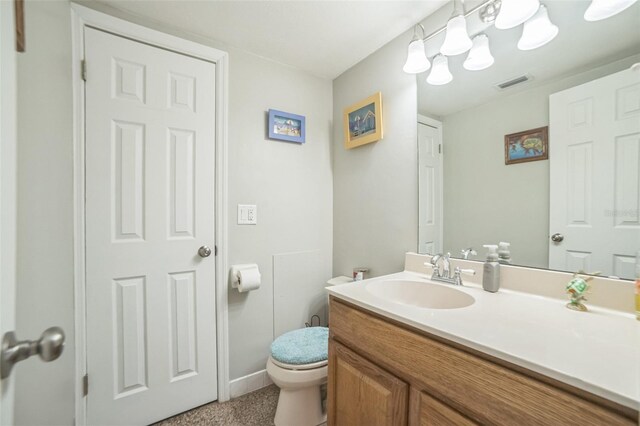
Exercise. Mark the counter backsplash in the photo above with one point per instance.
(605, 292)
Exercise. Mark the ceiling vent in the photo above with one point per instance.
(514, 81)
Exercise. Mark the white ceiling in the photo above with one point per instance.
(324, 38)
(579, 46)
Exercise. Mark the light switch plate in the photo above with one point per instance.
(247, 214)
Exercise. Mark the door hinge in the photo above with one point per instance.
(83, 70)
(85, 385)
(439, 148)
(215, 250)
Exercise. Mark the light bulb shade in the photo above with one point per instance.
(479, 56)
(440, 73)
(457, 40)
(515, 12)
(417, 61)
(537, 31)
(603, 9)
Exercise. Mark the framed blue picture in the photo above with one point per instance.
(285, 126)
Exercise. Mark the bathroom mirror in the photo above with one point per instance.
(576, 210)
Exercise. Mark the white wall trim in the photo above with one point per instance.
(249, 383)
(437, 125)
(82, 16)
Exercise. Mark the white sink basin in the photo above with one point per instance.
(421, 294)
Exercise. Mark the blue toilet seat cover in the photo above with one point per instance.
(303, 346)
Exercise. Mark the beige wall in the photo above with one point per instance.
(290, 183)
(292, 187)
(45, 212)
(8, 192)
(486, 201)
(376, 185)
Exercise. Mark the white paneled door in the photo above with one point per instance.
(430, 187)
(594, 150)
(150, 147)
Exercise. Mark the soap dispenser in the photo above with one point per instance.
(491, 270)
(504, 253)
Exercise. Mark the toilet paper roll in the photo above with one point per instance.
(245, 277)
(248, 279)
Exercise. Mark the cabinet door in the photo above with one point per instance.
(361, 393)
(425, 410)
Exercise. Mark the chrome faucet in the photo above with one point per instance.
(434, 262)
(445, 276)
(467, 252)
(446, 265)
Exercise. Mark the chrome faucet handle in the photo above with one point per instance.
(435, 267)
(457, 274)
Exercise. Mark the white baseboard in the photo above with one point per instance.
(249, 383)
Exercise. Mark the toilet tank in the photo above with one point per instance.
(339, 280)
(335, 281)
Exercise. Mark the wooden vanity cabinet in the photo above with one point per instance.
(386, 373)
(425, 410)
(364, 394)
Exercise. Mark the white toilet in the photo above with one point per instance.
(298, 366)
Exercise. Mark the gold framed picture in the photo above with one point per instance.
(363, 122)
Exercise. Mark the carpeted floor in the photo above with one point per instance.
(254, 409)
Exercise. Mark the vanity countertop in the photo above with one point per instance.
(597, 351)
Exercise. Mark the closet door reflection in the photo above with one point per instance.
(430, 184)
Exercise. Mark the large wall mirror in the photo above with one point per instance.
(578, 210)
